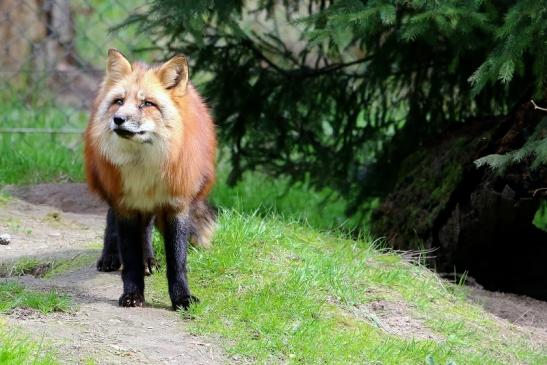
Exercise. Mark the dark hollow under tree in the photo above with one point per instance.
(475, 219)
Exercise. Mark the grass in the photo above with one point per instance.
(34, 158)
(24, 266)
(540, 219)
(15, 349)
(278, 291)
(50, 267)
(13, 295)
(61, 266)
(4, 198)
(259, 194)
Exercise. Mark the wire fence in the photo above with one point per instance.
(52, 58)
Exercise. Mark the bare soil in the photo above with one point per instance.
(518, 309)
(61, 221)
(64, 220)
(395, 318)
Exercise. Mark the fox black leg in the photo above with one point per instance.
(110, 257)
(148, 251)
(132, 230)
(176, 232)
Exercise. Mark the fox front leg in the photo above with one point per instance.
(110, 257)
(132, 232)
(176, 232)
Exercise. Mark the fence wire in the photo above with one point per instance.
(52, 58)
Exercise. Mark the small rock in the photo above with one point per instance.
(377, 306)
(5, 239)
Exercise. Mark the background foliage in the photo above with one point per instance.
(350, 87)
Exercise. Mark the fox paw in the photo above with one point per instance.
(150, 265)
(184, 303)
(131, 300)
(109, 262)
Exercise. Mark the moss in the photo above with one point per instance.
(453, 175)
(425, 184)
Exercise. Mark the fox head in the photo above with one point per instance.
(137, 111)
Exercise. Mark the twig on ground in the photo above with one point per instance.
(522, 316)
(538, 107)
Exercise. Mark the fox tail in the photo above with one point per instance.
(203, 220)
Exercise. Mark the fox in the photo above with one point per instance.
(149, 153)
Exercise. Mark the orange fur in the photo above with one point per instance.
(102, 176)
(187, 171)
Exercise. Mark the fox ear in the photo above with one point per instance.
(118, 66)
(174, 73)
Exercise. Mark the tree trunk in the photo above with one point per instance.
(35, 34)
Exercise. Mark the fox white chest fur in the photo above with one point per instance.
(143, 188)
(141, 166)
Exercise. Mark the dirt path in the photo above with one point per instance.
(71, 223)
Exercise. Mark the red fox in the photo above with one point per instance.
(150, 149)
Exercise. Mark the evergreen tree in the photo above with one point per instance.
(339, 92)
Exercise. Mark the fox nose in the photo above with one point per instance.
(119, 120)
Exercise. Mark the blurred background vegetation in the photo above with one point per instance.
(351, 87)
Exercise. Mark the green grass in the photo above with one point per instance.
(278, 292)
(34, 158)
(261, 194)
(77, 262)
(49, 267)
(16, 349)
(13, 295)
(23, 266)
(540, 219)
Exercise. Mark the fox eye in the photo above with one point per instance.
(148, 103)
(118, 101)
